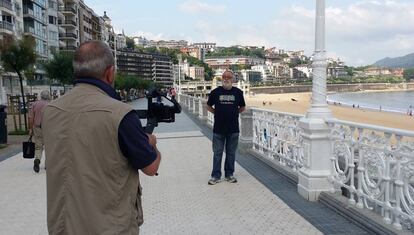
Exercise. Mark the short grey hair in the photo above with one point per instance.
(45, 95)
(91, 59)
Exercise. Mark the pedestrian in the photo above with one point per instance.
(95, 146)
(35, 126)
(173, 93)
(225, 102)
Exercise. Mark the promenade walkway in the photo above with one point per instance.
(179, 201)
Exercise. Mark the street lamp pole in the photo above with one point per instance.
(319, 108)
(317, 151)
(179, 77)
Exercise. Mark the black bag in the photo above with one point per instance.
(28, 149)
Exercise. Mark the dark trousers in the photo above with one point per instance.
(220, 141)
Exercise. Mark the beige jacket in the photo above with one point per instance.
(91, 188)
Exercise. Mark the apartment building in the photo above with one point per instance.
(141, 41)
(301, 72)
(121, 41)
(69, 32)
(108, 32)
(162, 67)
(173, 44)
(226, 62)
(85, 23)
(249, 75)
(196, 52)
(196, 72)
(35, 24)
(135, 63)
(53, 15)
(206, 46)
(11, 23)
(265, 71)
(97, 23)
(155, 67)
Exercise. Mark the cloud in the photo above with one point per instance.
(364, 31)
(228, 34)
(151, 36)
(194, 6)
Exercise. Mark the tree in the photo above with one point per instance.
(17, 56)
(29, 73)
(127, 82)
(60, 68)
(130, 43)
(409, 74)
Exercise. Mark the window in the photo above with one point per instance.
(52, 20)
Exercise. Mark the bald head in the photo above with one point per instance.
(91, 59)
(227, 75)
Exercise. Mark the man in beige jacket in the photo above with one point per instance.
(94, 146)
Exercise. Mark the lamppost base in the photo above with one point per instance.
(319, 112)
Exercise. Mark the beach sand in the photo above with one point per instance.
(283, 103)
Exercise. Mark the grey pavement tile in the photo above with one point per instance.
(316, 213)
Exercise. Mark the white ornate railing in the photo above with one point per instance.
(376, 166)
(277, 136)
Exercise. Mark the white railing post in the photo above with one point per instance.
(178, 98)
(191, 106)
(202, 112)
(314, 175)
(187, 102)
(246, 127)
(195, 105)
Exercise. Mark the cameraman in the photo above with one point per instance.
(95, 145)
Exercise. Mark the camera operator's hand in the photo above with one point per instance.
(152, 140)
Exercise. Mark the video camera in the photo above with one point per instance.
(157, 111)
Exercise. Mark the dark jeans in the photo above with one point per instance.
(219, 141)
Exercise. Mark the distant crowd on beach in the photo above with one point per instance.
(409, 110)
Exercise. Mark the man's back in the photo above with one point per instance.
(90, 186)
(36, 111)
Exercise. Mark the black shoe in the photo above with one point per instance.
(36, 166)
(231, 179)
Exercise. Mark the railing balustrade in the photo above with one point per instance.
(375, 165)
(277, 136)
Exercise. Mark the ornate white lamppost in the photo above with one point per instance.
(313, 176)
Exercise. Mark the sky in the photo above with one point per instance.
(359, 32)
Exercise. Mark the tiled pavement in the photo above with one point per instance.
(179, 201)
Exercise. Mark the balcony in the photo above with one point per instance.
(68, 35)
(67, 48)
(68, 10)
(6, 4)
(6, 25)
(27, 12)
(67, 23)
(41, 3)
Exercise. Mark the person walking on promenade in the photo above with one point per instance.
(228, 102)
(94, 146)
(35, 125)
